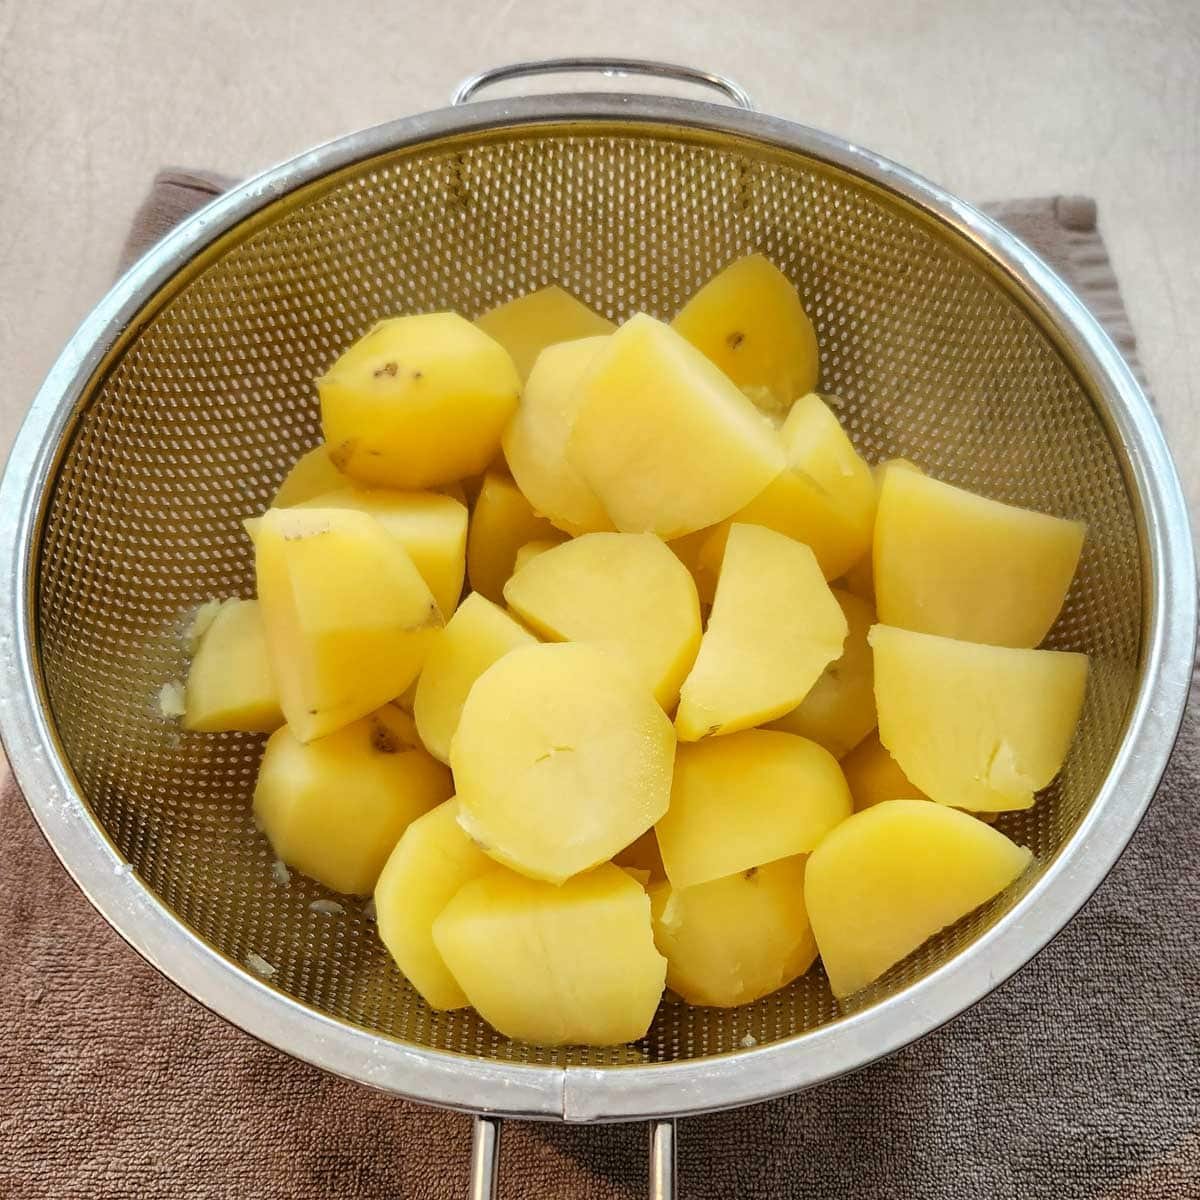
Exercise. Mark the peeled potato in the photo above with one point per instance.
(642, 855)
(311, 475)
(689, 550)
(663, 438)
(348, 618)
(229, 684)
(562, 757)
(476, 636)
(775, 627)
(527, 325)
(840, 710)
(874, 775)
(535, 442)
(736, 939)
(889, 878)
(973, 726)
(531, 550)
(952, 563)
(749, 321)
(431, 526)
(859, 580)
(626, 588)
(334, 808)
(555, 965)
(745, 800)
(502, 522)
(431, 861)
(418, 401)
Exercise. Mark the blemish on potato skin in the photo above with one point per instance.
(388, 369)
(383, 739)
(750, 874)
(735, 339)
(341, 454)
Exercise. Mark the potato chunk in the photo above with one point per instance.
(775, 627)
(958, 565)
(745, 800)
(874, 775)
(229, 684)
(476, 636)
(890, 877)
(749, 321)
(334, 808)
(535, 442)
(348, 617)
(736, 939)
(840, 710)
(562, 757)
(977, 727)
(431, 861)
(555, 965)
(503, 521)
(667, 442)
(418, 401)
(626, 588)
(527, 325)
(311, 475)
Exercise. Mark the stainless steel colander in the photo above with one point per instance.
(177, 407)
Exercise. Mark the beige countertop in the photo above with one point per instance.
(988, 97)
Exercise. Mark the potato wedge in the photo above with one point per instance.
(229, 683)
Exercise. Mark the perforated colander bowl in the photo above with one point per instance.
(184, 397)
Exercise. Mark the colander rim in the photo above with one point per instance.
(624, 1092)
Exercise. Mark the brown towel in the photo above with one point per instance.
(1077, 1080)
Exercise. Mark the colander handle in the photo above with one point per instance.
(485, 1160)
(730, 89)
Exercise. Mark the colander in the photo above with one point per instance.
(178, 406)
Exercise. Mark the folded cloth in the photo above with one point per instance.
(1078, 1080)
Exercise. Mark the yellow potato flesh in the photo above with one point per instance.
(229, 684)
(663, 438)
(748, 320)
(825, 498)
(531, 550)
(476, 636)
(689, 550)
(978, 727)
(643, 856)
(775, 627)
(745, 800)
(736, 939)
(334, 808)
(418, 401)
(502, 522)
(626, 588)
(348, 618)
(840, 710)
(555, 965)
(432, 527)
(859, 580)
(562, 757)
(311, 475)
(535, 442)
(889, 878)
(431, 861)
(874, 775)
(527, 325)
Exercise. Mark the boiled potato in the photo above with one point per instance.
(667, 442)
(825, 499)
(859, 580)
(535, 442)
(474, 638)
(978, 727)
(889, 878)
(333, 808)
(745, 800)
(688, 549)
(736, 939)
(531, 550)
(431, 861)
(955, 564)
(503, 521)
(775, 627)
(626, 588)
(527, 325)
(555, 965)
(874, 775)
(749, 321)
(432, 527)
(561, 757)
(418, 401)
(643, 856)
(229, 684)
(311, 475)
(840, 710)
(348, 617)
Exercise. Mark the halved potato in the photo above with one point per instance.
(229, 684)
(311, 475)
(502, 522)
